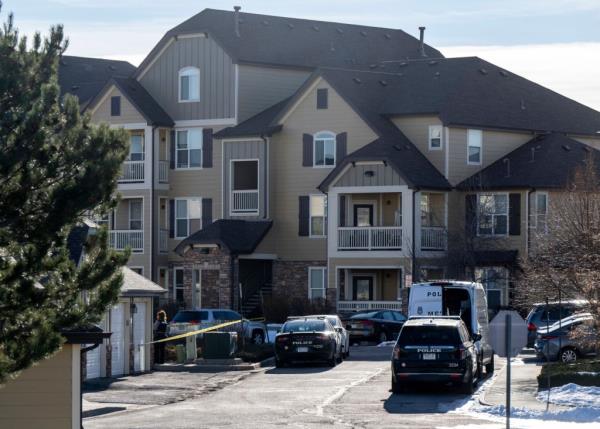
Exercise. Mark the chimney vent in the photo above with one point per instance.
(236, 19)
(422, 41)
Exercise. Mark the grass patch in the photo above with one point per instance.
(584, 372)
(256, 352)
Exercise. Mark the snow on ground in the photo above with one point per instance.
(387, 344)
(573, 395)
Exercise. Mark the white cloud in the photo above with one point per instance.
(570, 69)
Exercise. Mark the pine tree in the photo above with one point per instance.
(54, 168)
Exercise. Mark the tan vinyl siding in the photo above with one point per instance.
(129, 114)
(261, 87)
(42, 396)
(416, 128)
(495, 144)
(217, 79)
(291, 180)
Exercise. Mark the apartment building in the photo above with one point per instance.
(325, 160)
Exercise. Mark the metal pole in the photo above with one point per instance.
(548, 354)
(508, 357)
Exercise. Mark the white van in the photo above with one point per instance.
(456, 298)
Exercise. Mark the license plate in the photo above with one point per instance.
(429, 356)
(302, 349)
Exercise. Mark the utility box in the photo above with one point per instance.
(219, 345)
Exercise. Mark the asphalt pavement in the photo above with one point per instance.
(355, 393)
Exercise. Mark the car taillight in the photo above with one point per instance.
(399, 352)
(549, 337)
(194, 322)
(324, 337)
(461, 353)
(531, 327)
(282, 338)
(368, 323)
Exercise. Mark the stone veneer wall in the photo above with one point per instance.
(216, 277)
(291, 278)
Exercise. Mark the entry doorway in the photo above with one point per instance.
(363, 215)
(362, 288)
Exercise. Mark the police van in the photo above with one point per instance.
(456, 298)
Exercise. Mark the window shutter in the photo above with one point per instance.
(115, 106)
(307, 150)
(322, 98)
(342, 210)
(206, 212)
(172, 218)
(340, 147)
(303, 216)
(514, 214)
(471, 215)
(172, 150)
(207, 147)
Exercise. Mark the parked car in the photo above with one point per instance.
(557, 343)
(542, 315)
(375, 325)
(335, 320)
(307, 340)
(435, 349)
(193, 320)
(456, 298)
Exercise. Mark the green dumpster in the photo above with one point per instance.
(180, 353)
(219, 345)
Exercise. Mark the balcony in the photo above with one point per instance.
(163, 171)
(122, 239)
(132, 171)
(244, 202)
(370, 238)
(347, 306)
(163, 240)
(433, 238)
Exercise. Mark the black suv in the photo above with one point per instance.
(435, 349)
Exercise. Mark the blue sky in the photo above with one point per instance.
(553, 42)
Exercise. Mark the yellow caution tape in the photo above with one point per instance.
(201, 331)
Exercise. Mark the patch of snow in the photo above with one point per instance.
(574, 395)
(582, 415)
(386, 344)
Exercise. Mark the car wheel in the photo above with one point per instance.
(468, 386)
(382, 337)
(258, 337)
(333, 360)
(489, 367)
(279, 363)
(568, 355)
(347, 353)
(396, 386)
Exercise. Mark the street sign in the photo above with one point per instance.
(517, 329)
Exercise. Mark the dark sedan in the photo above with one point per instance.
(375, 325)
(307, 340)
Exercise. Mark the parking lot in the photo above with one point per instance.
(352, 394)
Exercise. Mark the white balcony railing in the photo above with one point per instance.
(163, 171)
(370, 238)
(368, 305)
(163, 240)
(433, 238)
(132, 171)
(121, 239)
(244, 202)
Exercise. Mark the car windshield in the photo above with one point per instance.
(190, 316)
(304, 326)
(429, 335)
(369, 315)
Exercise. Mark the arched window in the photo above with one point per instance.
(324, 149)
(189, 84)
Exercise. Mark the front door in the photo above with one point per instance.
(363, 215)
(362, 288)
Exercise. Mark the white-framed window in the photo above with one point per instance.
(318, 215)
(317, 281)
(474, 146)
(541, 212)
(492, 214)
(136, 221)
(189, 148)
(136, 146)
(324, 149)
(188, 216)
(435, 137)
(178, 284)
(189, 84)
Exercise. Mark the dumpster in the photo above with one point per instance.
(219, 345)
(180, 353)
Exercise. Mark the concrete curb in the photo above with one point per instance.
(202, 367)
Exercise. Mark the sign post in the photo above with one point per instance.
(507, 337)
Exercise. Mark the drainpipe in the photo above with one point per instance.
(152, 217)
(414, 245)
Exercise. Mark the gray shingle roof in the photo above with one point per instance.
(257, 125)
(138, 285)
(86, 77)
(236, 235)
(293, 42)
(551, 165)
(143, 101)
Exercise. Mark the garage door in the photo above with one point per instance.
(139, 335)
(117, 339)
(93, 363)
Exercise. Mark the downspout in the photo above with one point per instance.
(152, 217)
(414, 229)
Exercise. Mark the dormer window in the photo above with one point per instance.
(189, 85)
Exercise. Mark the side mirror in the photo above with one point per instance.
(476, 337)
